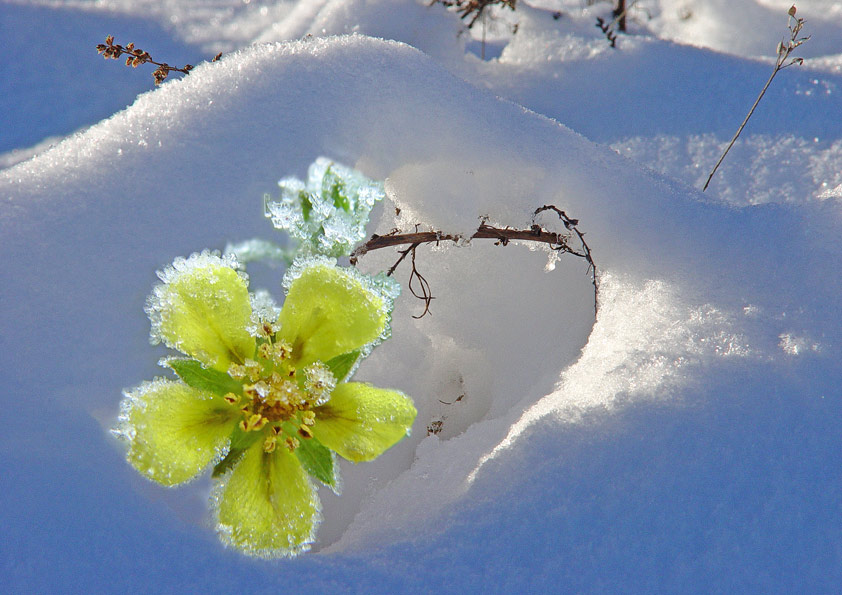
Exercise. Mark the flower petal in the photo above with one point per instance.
(203, 309)
(361, 421)
(329, 312)
(266, 506)
(174, 430)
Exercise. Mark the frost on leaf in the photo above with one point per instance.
(328, 213)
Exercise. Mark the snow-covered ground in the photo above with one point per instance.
(688, 440)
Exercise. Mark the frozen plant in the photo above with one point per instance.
(328, 213)
(136, 56)
(265, 399)
(784, 49)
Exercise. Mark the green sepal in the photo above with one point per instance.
(194, 374)
(335, 187)
(240, 442)
(341, 365)
(306, 204)
(318, 461)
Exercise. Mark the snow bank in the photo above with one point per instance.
(687, 437)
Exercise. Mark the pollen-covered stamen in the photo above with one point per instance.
(231, 398)
(279, 399)
(267, 329)
(319, 382)
(270, 442)
(237, 371)
(253, 370)
(254, 422)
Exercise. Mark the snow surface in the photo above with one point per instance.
(688, 440)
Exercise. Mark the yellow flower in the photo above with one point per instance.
(263, 397)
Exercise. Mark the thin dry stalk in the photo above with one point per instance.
(785, 48)
(471, 10)
(136, 56)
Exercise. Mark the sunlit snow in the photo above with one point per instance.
(685, 439)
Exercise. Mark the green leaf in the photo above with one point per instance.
(240, 442)
(196, 375)
(341, 365)
(340, 201)
(318, 461)
(334, 188)
(306, 204)
(222, 467)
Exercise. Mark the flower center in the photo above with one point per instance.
(277, 398)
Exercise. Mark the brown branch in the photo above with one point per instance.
(557, 241)
(484, 231)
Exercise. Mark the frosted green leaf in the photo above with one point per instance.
(266, 506)
(205, 379)
(319, 462)
(329, 312)
(342, 365)
(202, 309)
(329, 212)
(361, 421)
(174, 430)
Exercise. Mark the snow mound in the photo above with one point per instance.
(570, 449)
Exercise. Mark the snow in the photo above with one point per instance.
(686, 440)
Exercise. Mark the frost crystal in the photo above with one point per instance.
(257, 249)
(329, 212)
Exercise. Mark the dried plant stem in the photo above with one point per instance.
(136, 56)
(471, 10)
(785, 48)
(504, 236)
(420, 288)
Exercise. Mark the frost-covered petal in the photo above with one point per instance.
(174, 430)
(361, 421)
(203, 309)
(266, 506)
(329, 312)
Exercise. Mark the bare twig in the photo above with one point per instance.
(618, 23)
(785, 48)
(136, 56)
(471, 10)
(572, 225)
(419, 286)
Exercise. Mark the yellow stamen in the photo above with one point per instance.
(253, 423)
(270, 443)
